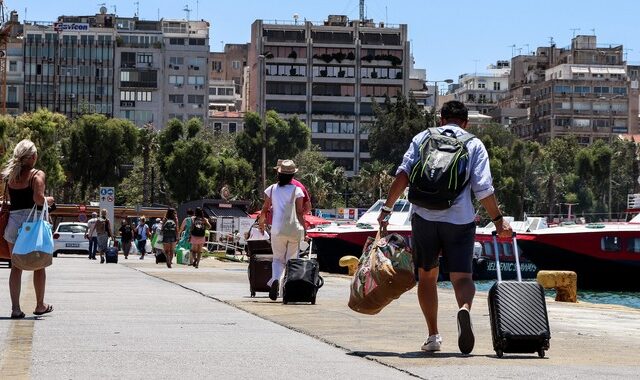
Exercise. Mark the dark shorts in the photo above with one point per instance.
(453, 241)
(169, 238)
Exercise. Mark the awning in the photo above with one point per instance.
(578, 69)
(231, 212)
(599, 70)
(616, 70)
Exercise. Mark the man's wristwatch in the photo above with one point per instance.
(386, 209)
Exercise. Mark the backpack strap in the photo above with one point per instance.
(465, 138)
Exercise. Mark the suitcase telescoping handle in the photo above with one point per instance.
(497, 253)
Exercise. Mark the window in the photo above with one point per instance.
(128, 95)
(145, 58)
(176, 98)
(195, 79)
(196, 41)
(13, 66)
(633, 245)
(176, 41)
(176, 116)
(496, 86)
(236, 65)
(176, 61)
(562, 89)
(482, 85)
(143, 96)
(581, 89)
(176, 80)
(620, 90)
(217, 127)
(611, 244)
(232, 127)
(195, 99)
(601, 90)
(216, 66)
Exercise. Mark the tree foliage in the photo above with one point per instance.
(285, 139)
(96, 149)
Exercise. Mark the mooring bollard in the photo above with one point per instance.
(350, 262)
(564, 282)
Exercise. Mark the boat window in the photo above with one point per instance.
(611, 244)
(633, 245)
(507, 249)
(488, 250)
(401, 206)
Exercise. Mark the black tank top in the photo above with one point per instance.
(22, 199)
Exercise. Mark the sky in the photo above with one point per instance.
(448, 38)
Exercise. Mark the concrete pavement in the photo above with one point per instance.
(142, 320)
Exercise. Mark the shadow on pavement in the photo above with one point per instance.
(411, 354)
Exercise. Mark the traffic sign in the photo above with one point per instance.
(107, 199)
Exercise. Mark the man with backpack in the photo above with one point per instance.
(442, 167)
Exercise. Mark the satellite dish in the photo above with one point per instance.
(103, 10)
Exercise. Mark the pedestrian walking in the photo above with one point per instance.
(156, 237)
(103, 230)
(170, 234)
(142, 234)
(26, 188)
(93, 236)
(287, 228)
(199, 227)
(126, 236)
(443, 223)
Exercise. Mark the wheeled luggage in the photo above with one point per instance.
(160, 257)
(518, 312)
(111, 255)
(301, 280)
(259, 271)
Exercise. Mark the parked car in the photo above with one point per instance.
(69, 238)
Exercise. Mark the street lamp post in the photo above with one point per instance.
(435, 97)
(263, 103)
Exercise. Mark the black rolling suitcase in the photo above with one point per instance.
(111, 255)
(518, 312)
(301, 280)
(259, 271)
(160, 257)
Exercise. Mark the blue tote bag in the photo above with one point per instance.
(34, 247)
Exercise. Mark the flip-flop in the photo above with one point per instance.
(17, 316)
(49, 309)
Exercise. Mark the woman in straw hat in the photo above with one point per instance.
(283, 198)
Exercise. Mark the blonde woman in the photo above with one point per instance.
(25, 188)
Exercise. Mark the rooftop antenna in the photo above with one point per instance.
(295, 18)
(362, 16)
(158, 14)
(528, 51)
(626, 52)
(475, 67)
(574, 30)
(551, 41)
(137, 4)
(187, 10)
(114, 10)
(519, 51)
(513, 49)
(197, 7)
(593, 31)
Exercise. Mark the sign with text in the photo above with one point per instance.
(107, 201)
(70, 26)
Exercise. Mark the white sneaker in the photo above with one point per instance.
(433, 343)
(466, 338)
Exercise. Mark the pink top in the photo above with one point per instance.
(306, 198)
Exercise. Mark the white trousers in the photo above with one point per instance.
(283, 249)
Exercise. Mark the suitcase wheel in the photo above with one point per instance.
(499, 353)
(284, 301)
(253, 294)
(313, 301)
(541, 353)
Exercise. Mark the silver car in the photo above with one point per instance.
(69, 238)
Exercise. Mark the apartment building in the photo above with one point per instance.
(481, 92)
(14, 68)
(329, 74)
(582, 90)
(144, 71)
(139, 71)
(69, 65)
(228, 65)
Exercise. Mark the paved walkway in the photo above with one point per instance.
(142, 320)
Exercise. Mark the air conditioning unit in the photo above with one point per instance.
(199, 105)
(176, 67)
(170, 66)
(179, 85)
(149, 64)
(196, 67)
(50, 60)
